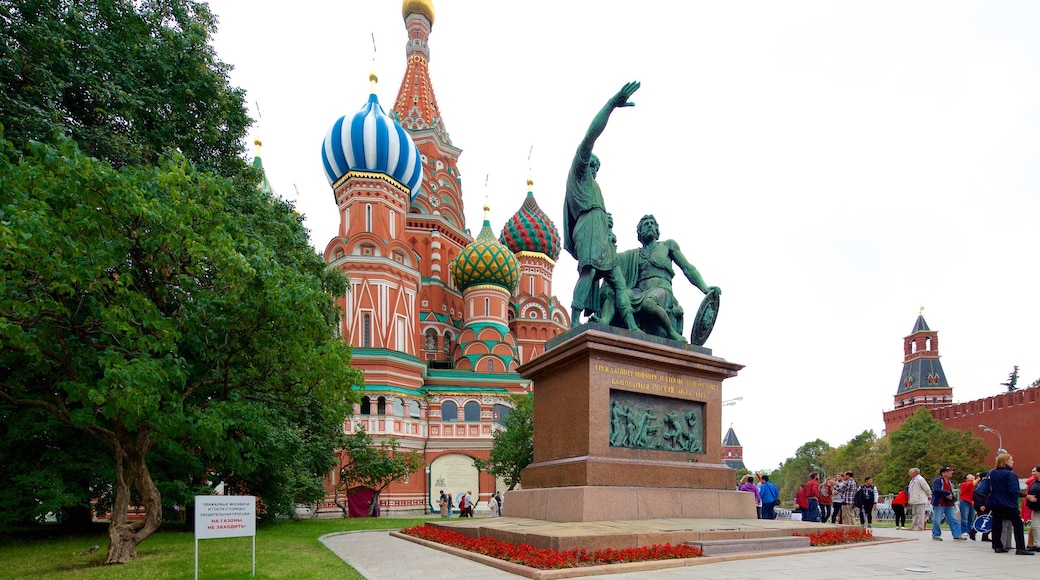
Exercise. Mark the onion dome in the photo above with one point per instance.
(530, 230)
(486, 261)
(373, 142)
(424, 7)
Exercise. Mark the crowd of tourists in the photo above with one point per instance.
(464, 501)
(991, 503)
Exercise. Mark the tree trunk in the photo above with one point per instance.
(341, 506)
(132, 472)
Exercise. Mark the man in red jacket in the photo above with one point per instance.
(812, 497)
(801, 503)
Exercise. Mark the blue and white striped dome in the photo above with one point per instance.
(372, 141)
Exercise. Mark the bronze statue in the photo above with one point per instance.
(586, 232)
(649, 272)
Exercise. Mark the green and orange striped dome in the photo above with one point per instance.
(486, 261)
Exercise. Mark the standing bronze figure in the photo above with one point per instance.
(586, 232)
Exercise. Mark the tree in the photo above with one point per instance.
(795, 471)
(512, 448)
(170, 314)
(923, 442)
(373, 466)
(126, 80)
(149, 280)
(49, 469)
(863, 455)
(1012, 384)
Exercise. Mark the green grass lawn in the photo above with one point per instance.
(287, 549)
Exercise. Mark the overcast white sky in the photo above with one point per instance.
(832, 166)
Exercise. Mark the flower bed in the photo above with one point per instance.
(548, 559)
(839, 536)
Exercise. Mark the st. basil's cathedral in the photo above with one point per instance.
(438, 321)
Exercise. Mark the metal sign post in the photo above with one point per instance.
(224, 516)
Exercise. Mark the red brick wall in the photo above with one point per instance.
(1015, 415)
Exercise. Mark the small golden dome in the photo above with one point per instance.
(424, 7)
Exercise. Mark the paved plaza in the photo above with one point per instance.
(377, 555)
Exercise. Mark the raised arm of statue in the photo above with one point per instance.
(586, 233)
(599, 122)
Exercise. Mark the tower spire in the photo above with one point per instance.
(487, 205)
(372, 76)
(530, 171)
(416, 106)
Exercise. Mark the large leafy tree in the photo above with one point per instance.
(373, 466)
(923, 442)
(49, 469)
(172, 314)
(180, 320)
(126, 80)
(863, 455)
(512, 449)
(795, 471)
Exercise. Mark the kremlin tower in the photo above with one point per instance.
(922, 383)
(732, 450)
(438, 321)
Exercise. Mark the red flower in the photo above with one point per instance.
(544, 559)
(839, 536)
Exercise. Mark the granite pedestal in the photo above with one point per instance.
(581, 474)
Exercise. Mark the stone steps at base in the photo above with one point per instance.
(716, 547)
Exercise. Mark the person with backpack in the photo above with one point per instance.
(769, 493)
(461, 500)
(866, 497)
(979, 497)
(944, 505)
(1003, 503)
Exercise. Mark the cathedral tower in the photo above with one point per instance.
(535, 315)
(487, 273)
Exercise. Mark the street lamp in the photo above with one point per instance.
(731, 402)
(1000, 439)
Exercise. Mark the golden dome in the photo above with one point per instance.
(424, 7)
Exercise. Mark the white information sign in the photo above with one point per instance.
(225, 516)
